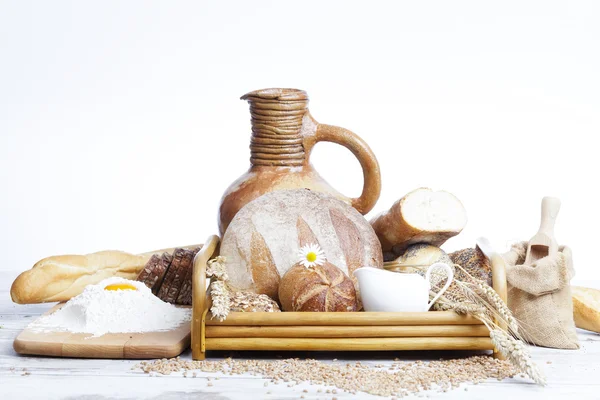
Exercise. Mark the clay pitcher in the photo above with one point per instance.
(283, 135)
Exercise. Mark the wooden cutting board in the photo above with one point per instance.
(164, 344)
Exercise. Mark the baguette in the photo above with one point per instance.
(586, 308)
(59, 278)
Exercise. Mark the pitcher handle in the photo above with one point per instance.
(448, 281)
(368, 162)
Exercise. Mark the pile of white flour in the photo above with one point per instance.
(98, 311)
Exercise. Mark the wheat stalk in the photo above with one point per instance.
(220, 300)
(216, 268)
(499, 305)
(462, 307)
(516, 352)
(219, 289)
(481, 292)
(469, 295)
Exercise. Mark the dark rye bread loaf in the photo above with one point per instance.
(185, 293)
(168, 291)
(161, 270)
(170, 276)
(154, 272)
(148, 275)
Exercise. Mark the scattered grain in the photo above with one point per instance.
(407, 378)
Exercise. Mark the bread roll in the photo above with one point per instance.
(262, 242)
(419, 257)
(422, 216)
(474, 262)
(586, 308)
(59, 278)
(323, 288)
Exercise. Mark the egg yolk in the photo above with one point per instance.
(120, 286)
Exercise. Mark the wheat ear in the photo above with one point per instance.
(219, 289)
(489, 294)
(517, 353)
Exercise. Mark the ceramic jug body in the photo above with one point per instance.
(387, 291)
(283, 135)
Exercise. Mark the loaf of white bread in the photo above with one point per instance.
(59, 278)
(262, 242)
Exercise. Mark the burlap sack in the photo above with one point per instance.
(539, 296)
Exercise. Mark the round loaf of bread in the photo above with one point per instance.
(263, 240)
(323, 288)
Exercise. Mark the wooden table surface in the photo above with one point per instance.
(570, 373)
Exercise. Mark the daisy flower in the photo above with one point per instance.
(311, 255)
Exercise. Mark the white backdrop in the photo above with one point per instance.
(121, 124)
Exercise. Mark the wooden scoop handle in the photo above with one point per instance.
(550, 209)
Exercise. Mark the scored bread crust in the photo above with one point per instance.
(59, 278)
(263, 240)
(323, 288)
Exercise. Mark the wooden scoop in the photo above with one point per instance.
(544, 244)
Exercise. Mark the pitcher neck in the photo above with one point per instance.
(276, 119)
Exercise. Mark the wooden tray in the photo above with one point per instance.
(433, 330)
(165, 344)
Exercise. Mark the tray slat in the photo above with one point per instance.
(343, 318)
(352, 344)
(346, 331)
